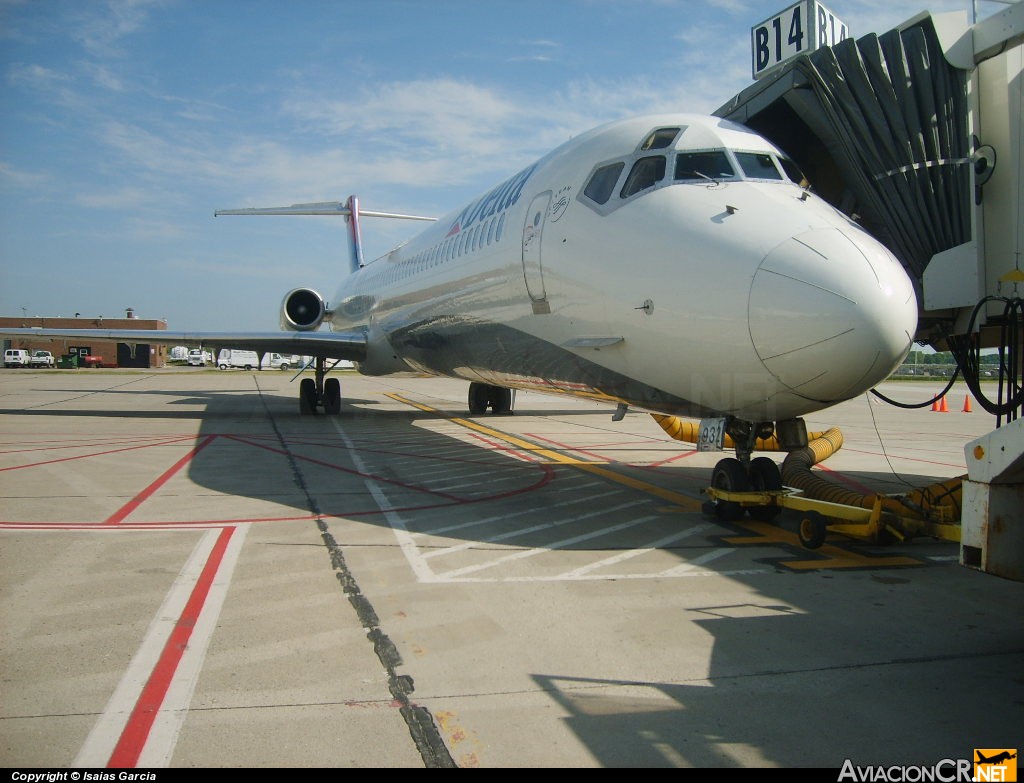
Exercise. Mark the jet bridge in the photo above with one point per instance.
(917, 134)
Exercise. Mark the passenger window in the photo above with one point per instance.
(659, 139)
(758, 165)
(602, 183)
(646, 172)
(710, 164)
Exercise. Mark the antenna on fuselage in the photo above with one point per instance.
(349, 210)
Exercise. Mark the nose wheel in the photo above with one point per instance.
(760, 474)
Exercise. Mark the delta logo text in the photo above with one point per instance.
(988, 765)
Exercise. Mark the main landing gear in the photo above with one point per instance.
(743, 474)
(483, 396)
(320, 391)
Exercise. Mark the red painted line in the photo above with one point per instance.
(906, 458)
(351, 471)
(684, 455)
(605, 458)
(136, 731)
(42, 445)
(136, 501)
(567, 447)
(842, 477)
(96, 454)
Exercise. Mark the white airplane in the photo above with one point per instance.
(672, 263)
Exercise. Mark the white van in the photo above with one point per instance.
(15, 357)
(229, 357)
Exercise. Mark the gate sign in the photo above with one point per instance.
(801, 28)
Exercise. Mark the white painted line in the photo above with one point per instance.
(523, 554)
(651, 547)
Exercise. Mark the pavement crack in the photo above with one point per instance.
(420, 722)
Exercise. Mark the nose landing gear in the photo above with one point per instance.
(743, 474)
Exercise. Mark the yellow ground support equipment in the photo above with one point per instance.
(823, 506)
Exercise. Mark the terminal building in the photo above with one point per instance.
(105, 352)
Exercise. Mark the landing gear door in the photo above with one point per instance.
(533, 269)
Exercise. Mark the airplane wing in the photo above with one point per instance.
(330, 345)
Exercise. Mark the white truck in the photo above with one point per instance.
(42, 359)
(199, 358)
(250, 360)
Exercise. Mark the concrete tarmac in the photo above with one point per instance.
(194, 575)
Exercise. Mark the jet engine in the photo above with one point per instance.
(303, 310)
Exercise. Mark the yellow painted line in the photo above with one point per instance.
(556, 457)
(525, 445)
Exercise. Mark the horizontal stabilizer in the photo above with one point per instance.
(317, 208)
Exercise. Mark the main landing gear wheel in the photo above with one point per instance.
(483, 396)
(729, 476)
(332, 396)
(765, 477)
(307, 396)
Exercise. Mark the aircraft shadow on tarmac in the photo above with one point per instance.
(257, 446)
(386, 465)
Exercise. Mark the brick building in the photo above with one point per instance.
(114, 354)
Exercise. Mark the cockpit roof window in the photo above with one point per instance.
(602, 182)
(659, 139)
(758, 165)
(703, 165)
(646, 173)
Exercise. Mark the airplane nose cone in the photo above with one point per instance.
(831, 313)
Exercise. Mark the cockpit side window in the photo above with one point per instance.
(758, 165)
(793, 172)
(659, 139)
(646, 173)
(707, 164)
(602, 182)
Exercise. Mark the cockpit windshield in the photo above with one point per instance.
(644, 170)
(708, 164)
(758, 165)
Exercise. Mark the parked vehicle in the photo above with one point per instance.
(199, 358)
(250, 360)
(283, 361)
(16, 357)
(229, 357)
(42, 359)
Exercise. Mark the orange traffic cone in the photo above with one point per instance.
(935, 405)
(967, 404)
(943, 405)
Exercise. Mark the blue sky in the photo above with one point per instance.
(125, 123)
